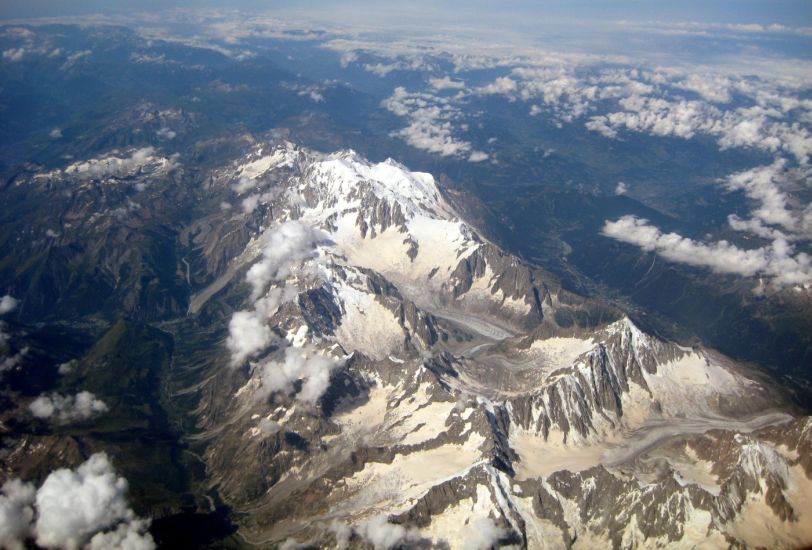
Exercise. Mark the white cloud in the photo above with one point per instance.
(82, 508)
(383, 535)
(285, 245)
(342, 533)
(621, 188)
(777, 262)
(348, 58)
(744, 127)
(314, 91)
(269, 427)
(756, 227)
(12, 361)
(477, 156)
(16, 513)
(300, 363)
(502, 85)
(446, 83)
(248, 334)
(67, 408)
(73, 506)
(482, 534)
(431, 121)
(762, 185)
(711, 87)
(250, 203)
(243, 185)
(130, 535)
(7, 304)
(67, 367)
(14, 54)
(166, 133)
(56, 133)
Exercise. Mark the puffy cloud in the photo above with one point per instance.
(73, 506)
(304, 364)
(430, 125)
(86, 507)
(502, 85)
(248, 334)
(67, 367)
(131, 535)
(250, 203)
(477, 156)
(621, 188)
(446, 83)
(243, 184)
(11, 361)
(383, 535)
(7, 304)
(777, 262)
(56, 133)
(482, 534)
(166, 133)
(762, 185)
(342, 533)
(756, 227)
(67, 408)
(285, 245)
(16, 513)
(711, 87)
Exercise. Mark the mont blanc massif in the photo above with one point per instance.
(269, 285)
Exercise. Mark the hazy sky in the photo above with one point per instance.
(788, 12)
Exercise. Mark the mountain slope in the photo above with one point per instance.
(389, 371)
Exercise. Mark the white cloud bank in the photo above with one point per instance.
(756, 127)
(83, 508)
(67, 408)
(777, 262)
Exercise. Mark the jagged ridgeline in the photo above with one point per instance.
(352, 364)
